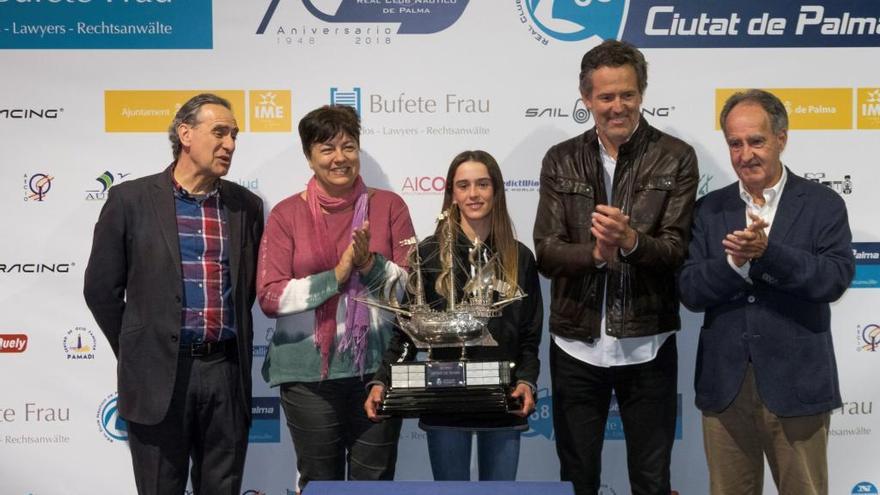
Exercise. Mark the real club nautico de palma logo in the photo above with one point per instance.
(110, 423)
(572, 20)
(364, 22)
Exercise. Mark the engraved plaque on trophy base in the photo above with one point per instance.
(448, 387)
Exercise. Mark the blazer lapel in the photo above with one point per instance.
(166, 215)
(235, 216)
(790, 205)
(734, 210)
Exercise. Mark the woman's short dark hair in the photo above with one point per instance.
(325, 123)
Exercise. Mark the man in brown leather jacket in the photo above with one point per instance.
(613, 226)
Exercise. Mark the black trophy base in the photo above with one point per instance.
(409, 403)
(449, 387)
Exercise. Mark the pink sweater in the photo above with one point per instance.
(290, 285)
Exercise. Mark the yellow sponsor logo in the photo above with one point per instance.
(868, 108)
(808, 108)
(153, 110)
(269, 110)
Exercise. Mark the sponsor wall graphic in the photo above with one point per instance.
(541, 420)
(266, 110)
(867, 256)
(864, 488)
(868, 337)
(518, 121)
(30, 113)
(37, 186)
(80, 344)
(105, 181)
(105, 24)
(13, 342)
(868, 108)
(808, 108)
(381, 112)
(359, 22)
(265, 420)
(153, 110)
(700, 24)
(34, 267)
(31, 423)
(110, 423)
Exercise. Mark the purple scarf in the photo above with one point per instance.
(357, 321)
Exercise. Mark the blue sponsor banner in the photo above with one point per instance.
(105, 24)
(265, 420)
(867, 256)
(753, 23)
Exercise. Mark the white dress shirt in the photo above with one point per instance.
(767, 212)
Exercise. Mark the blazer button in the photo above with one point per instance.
(177, 298)
(751, 299)
(174, 338)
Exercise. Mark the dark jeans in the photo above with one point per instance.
(330, 431)
(450, 453)
(205, 422)
(646, 396)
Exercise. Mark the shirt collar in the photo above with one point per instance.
(180, 192)
(771, 194)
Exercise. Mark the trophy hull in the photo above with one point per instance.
(449, 387)
(427, 329)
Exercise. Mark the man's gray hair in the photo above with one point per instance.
(189, 114)
(768, 101)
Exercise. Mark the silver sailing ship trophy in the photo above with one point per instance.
(462, 386)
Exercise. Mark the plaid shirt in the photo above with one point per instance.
(207, 314)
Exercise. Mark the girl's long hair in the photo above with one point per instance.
(501, 230)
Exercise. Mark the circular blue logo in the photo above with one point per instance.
(575, 20)
(864, 488)
(111, 424)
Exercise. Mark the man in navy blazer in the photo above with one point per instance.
(767, 255)
(171, 282)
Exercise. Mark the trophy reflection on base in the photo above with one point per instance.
(462, 386)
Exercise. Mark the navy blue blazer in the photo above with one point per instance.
(782, 320)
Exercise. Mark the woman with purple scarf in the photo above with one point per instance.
(323, 248)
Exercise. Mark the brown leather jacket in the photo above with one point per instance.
(655, 182)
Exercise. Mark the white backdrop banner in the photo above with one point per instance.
(89, 87)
